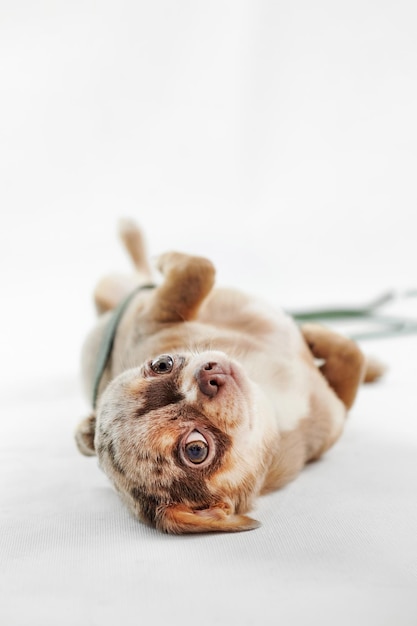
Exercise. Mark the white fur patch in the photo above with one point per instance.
(291, 407)
(284, 378)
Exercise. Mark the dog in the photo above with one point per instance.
(206, 397)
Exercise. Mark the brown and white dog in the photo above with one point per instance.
(209, 398)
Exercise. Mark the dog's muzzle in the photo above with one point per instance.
(211, 376)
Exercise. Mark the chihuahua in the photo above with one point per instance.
(205, 398)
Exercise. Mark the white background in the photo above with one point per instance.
(277, 138)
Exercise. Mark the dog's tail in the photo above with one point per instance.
(134, 242)
(374, 369)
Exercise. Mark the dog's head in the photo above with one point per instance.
(179, 439)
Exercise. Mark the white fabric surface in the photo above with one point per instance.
(338, 545)
(279, 139)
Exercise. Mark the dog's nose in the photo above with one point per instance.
(210, 377)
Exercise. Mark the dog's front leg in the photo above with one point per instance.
(188, 280)
(84, 435)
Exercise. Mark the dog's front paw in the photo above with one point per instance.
(84, 435)
(188, 280)
(183, 263)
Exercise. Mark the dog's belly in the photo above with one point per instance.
(273, 351)
(308, 415)
(309, 418)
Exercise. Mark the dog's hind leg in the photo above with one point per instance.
(344, 364)
(113, 288)
(134, 242)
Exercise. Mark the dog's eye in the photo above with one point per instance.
(196, 448)
(196, 451)
(162, 364)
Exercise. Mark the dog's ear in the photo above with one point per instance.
(84, 435)
(179, 518)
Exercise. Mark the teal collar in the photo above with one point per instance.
(106, 345)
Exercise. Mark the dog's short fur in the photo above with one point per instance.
(241, 385)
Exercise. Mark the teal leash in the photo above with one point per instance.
(109, 335)
(387, 326)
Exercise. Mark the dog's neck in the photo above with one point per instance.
(107, 342)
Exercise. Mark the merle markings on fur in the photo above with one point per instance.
(208, 398)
